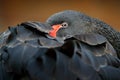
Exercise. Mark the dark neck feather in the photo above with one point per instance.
(107, 31)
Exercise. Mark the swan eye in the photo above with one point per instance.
(64, 25)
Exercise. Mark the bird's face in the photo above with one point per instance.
(66, 24)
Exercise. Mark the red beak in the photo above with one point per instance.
(53, 32)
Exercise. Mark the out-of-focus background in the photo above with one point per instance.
(13, 12)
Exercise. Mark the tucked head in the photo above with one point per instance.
(68, 23)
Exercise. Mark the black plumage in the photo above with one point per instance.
(79, 23)
(28, 52)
